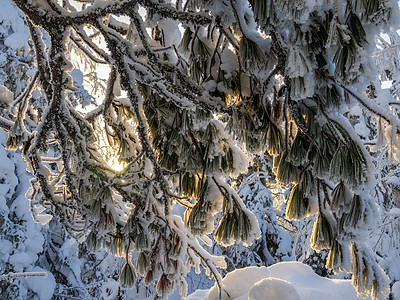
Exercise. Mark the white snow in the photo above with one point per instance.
(110, 290)
(20, 260)
(10, 18)
(396, 290)
(41, 217)
(286, 281)
(273, 289)
(6, 95)
(17, 40)
(198, 295)
(5, 249)
(239, 282)
(42, 286)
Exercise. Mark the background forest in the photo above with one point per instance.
(149, 148)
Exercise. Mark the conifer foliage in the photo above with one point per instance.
(194, 88)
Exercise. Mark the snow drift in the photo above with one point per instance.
(282, 281)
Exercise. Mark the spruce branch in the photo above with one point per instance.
(208, 262)
(41, 61)
(88, 41)
(6, 124)
(135, 99)
(22, 98)
(161, 123)
(77, 42)
(371, 106)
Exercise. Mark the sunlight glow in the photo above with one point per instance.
(116, 165)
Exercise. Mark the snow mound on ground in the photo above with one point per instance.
(299, 278)
(239, 282)
(273, 289)
(198, 295)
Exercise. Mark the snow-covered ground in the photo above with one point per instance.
(282, 281)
